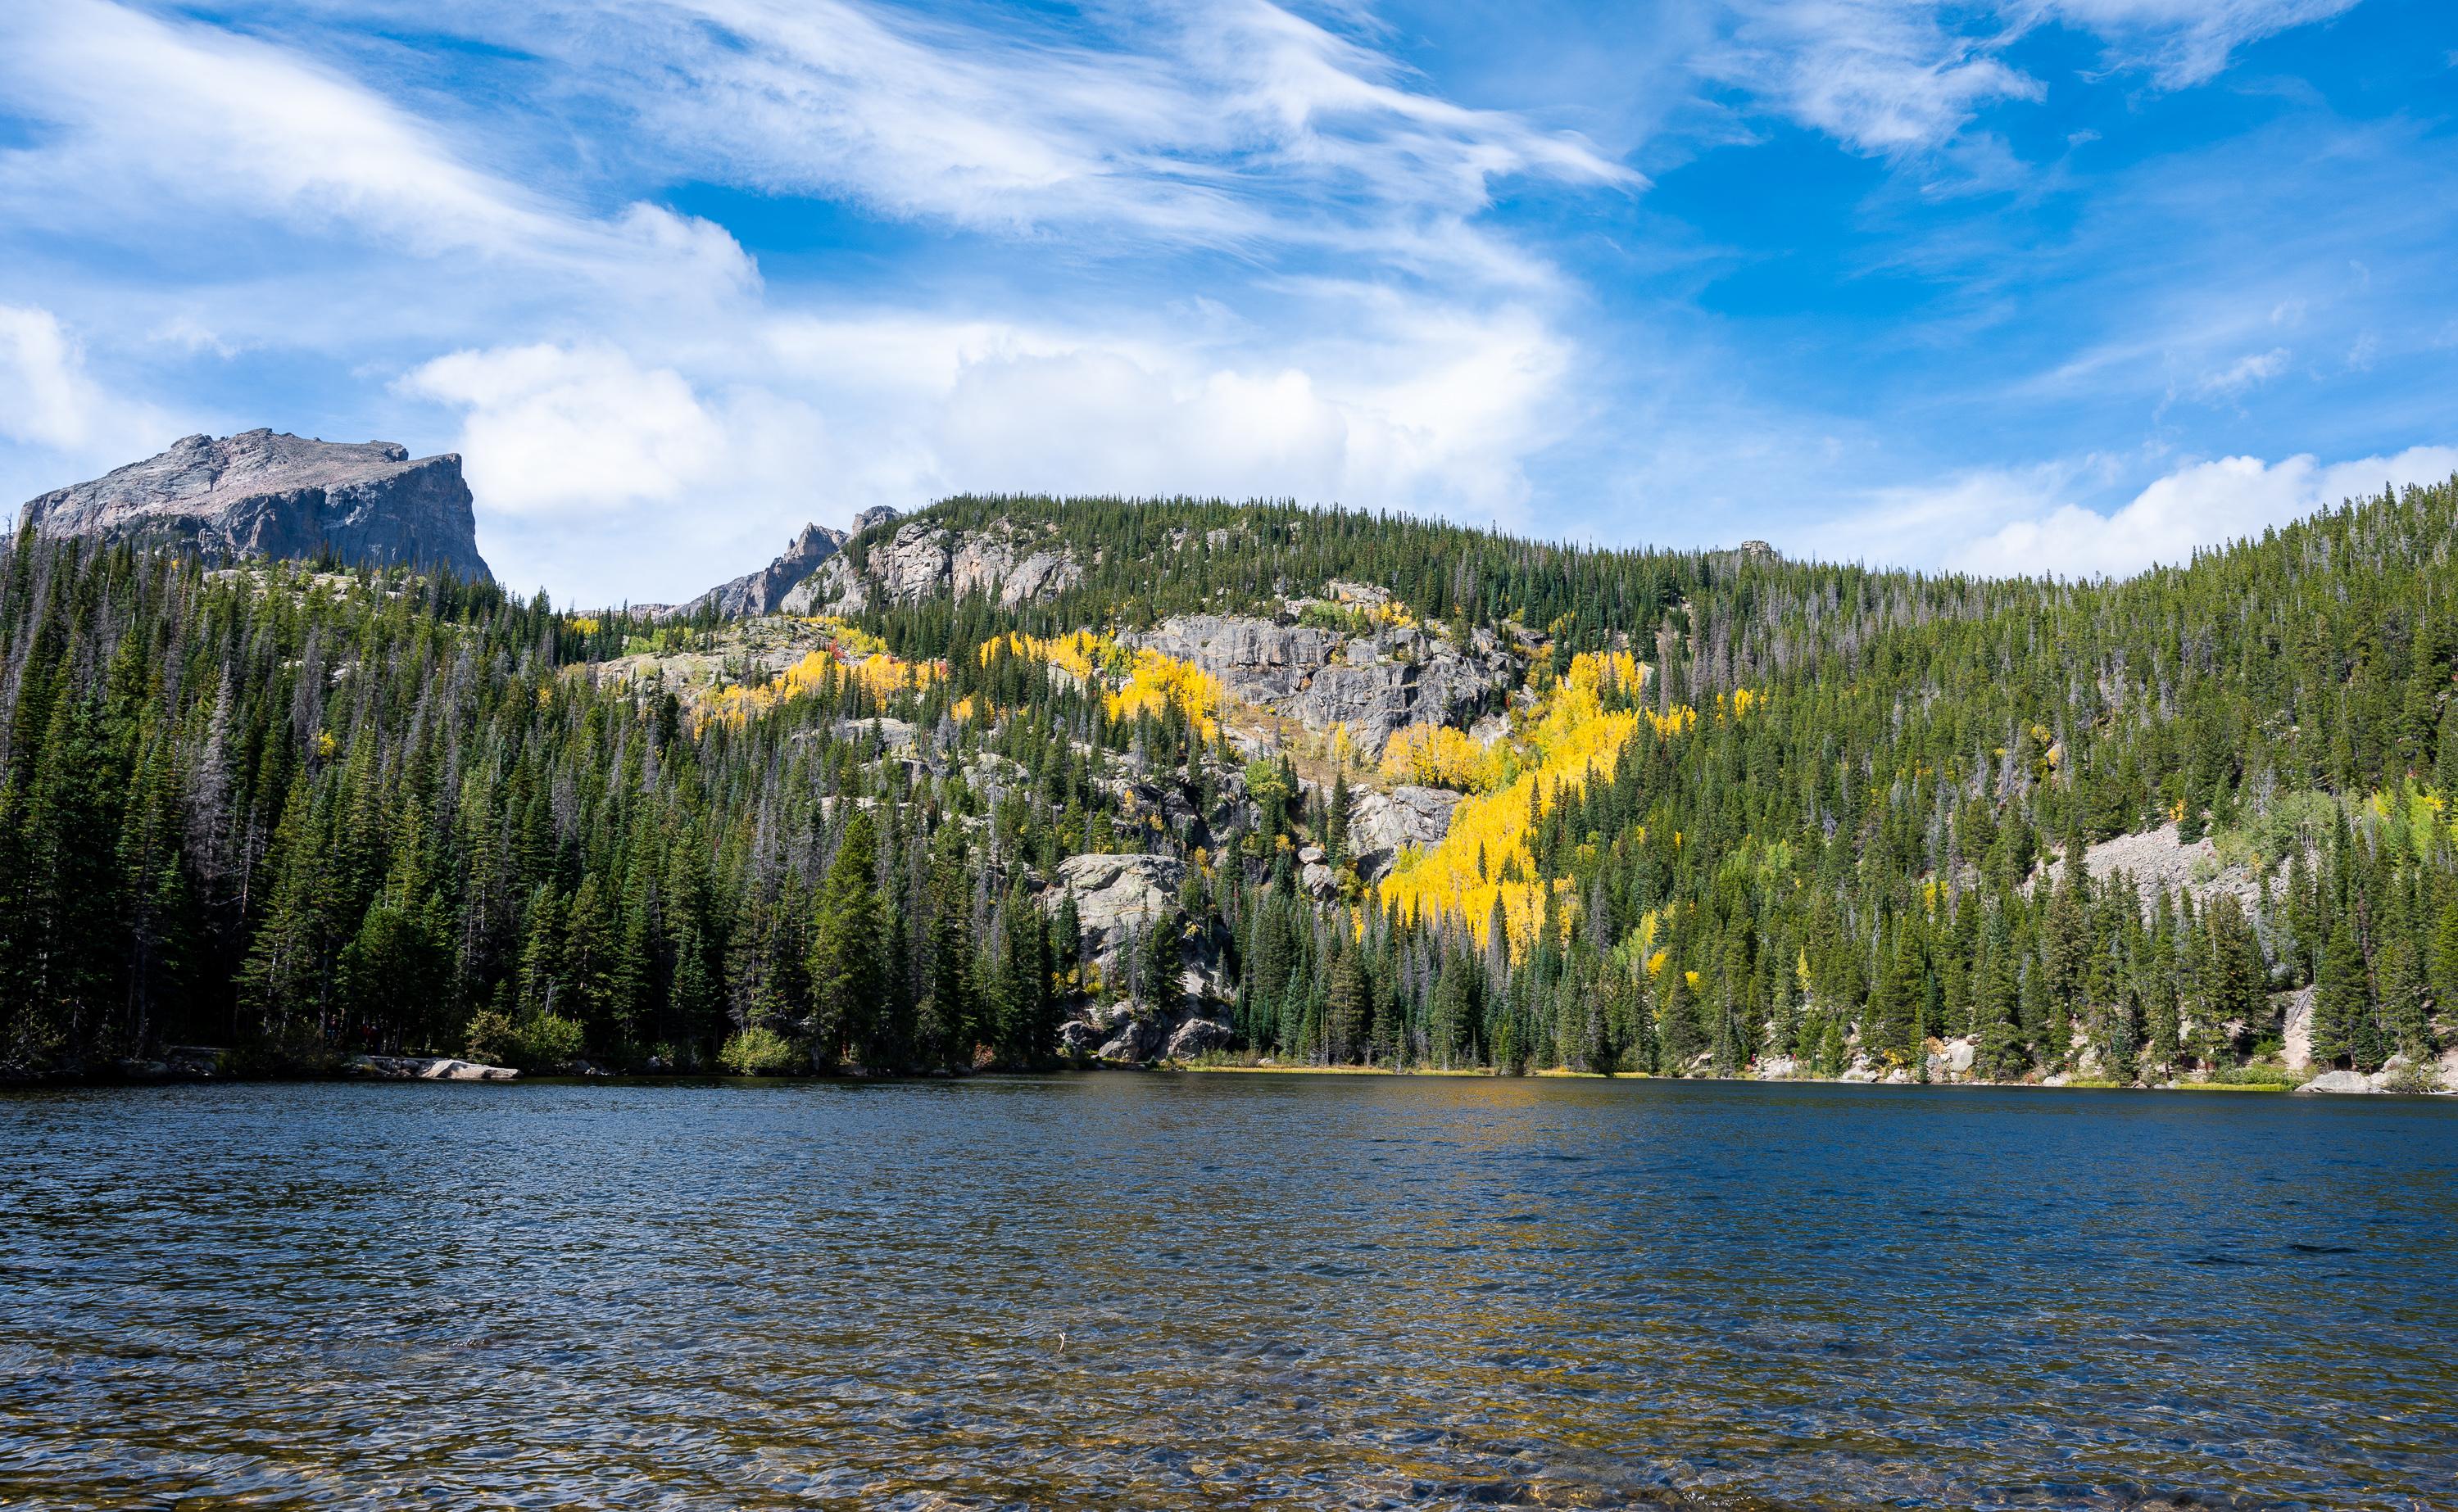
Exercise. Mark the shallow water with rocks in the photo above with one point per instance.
(1224, 1291)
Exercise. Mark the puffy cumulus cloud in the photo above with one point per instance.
(51, 406)
(550, 428)
(702, 454)
(2209, 504)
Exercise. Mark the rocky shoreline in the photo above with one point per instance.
(195, 1064)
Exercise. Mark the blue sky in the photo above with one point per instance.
(2049, 285)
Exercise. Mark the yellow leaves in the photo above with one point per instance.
(847, 637)
(963, 708)
(326, 745)
(1152, 682)
(1343, 748)
(1680, 719)
(586, 624)
(1159, 682)
(1485, 863)
(1081, 652)
(1655, 961)
(1437, 756)
(1599, 670)
(883, 675)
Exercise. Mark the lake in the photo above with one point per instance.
(1206, 1291)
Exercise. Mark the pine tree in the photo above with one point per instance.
(849, 953)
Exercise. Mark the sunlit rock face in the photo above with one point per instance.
(265, 494)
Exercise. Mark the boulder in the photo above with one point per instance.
(1778, 1068)
(262, 495)
(1136, 1041)
(2341, 1083)
(1197, 1037)
(426, 1068)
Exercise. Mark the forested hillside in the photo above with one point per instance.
(1244, 781)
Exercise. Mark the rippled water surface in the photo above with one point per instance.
(1148, 1291)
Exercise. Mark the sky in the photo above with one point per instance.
(2066, 286)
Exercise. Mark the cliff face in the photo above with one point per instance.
(265, 494)
(767, 591)
(760, 592)
(925, 557)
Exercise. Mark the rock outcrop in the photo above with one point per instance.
(763, 592)
(1118, 898)
(265, 494)
(1382, 825)
(925, 557)
(426, 1068)
(1374, 683)
(767, 591)
(2340, 1083)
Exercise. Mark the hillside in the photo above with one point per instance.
(1011, 780)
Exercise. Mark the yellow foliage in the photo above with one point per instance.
(1159, 682)
(883, 675)
(1082, 652)
(1436, 756)
(586, 624)
(847, 637)
(1482, 863)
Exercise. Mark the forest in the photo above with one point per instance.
(1744, 816)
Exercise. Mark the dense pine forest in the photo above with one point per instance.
(1739, 814)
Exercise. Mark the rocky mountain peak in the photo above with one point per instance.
(266, 493)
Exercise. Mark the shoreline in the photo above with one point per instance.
(202, 1066)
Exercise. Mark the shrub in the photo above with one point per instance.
(544, 1039)
(758, 1052)
(493, 1038)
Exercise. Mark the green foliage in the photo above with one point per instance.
(759, 1053)
(316, 814)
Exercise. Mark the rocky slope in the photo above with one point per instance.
(764, 591)
(1373, 683)
(265, 494)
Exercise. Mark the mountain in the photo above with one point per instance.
(263, 493)
(764, 591)
(1016, 780)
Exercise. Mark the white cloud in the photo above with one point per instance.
(2209, 504)
(1882, 76)
(49, 400)
(164, 125)
(552, 428)
(1898, 77)
(713, 450)
(2250, 371)
(2188, 42)
(1236, 125)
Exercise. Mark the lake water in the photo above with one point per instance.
(1154, 1291)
